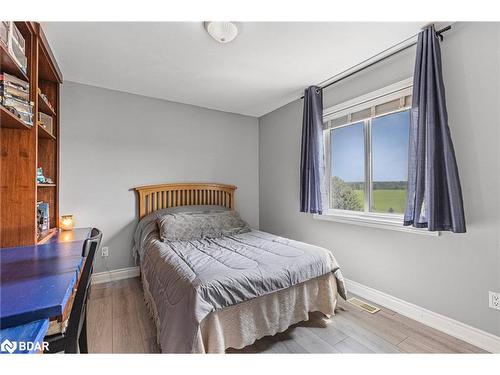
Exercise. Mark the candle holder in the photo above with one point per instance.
(66, 222)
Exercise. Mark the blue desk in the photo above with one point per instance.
(24, 339)
(36, 282)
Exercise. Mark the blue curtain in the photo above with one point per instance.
(311, 156)
(434, 192)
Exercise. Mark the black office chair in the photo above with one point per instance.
(75, 336)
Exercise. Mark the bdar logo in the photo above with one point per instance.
(8, 346)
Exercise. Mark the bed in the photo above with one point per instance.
(208, 292)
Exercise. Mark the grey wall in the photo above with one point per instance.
(451, 274)
(112, 141)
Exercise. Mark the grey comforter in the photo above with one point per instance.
(189, 279)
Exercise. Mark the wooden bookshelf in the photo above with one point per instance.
(43, 106)
(25, 148)
(45, 236)
(43, 133)
(9, 65)
(9, 120)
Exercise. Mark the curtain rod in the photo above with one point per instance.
(405, 47)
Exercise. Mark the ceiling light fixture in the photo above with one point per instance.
(223, 32)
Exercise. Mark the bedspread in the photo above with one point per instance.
(190, 279)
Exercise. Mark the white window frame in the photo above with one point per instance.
(365, 218)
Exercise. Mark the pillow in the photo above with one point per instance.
(182, 209)
(192, 226)
(148, 224)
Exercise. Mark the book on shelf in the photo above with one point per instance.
(14, 95)
(14, 92)
(18, 83)
(42, 209)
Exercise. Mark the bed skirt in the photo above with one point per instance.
(242, 324)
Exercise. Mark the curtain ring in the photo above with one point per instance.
(318, 91)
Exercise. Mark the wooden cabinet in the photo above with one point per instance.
(24, 148)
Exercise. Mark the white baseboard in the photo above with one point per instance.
(452, 327)
(120, 274)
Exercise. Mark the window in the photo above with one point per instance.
(347, 187)
(366, 148)
(390, 162)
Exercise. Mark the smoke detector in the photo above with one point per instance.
(223, 32)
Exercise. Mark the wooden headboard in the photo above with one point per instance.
(157, 197)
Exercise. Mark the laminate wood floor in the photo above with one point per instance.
(119, 322)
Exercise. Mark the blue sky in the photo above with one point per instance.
(389, 149)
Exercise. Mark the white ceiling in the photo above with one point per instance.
(266, 66)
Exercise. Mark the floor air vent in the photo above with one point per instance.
(363, 305)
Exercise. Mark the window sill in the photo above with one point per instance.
(373, 221)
